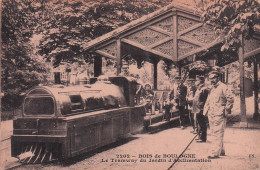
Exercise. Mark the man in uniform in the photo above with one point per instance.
(199, 100)
(179, 99)
(190, 95)
(169, 103)
(218, 104)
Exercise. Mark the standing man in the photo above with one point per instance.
(170, 102)
(199, 100)
(190, 96)
(179, 99)
(218, 104)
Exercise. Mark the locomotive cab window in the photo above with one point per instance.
(76, 103)
(42, 105)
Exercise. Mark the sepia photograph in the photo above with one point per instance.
(130, 84)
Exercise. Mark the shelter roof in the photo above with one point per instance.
(121, 30)
(174, 32)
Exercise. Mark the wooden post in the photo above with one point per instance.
(118, 57)
(175, 37)
(97, 66)
(155, 63)
(243, 122)
(179, 70)
(256, 114)
(226, 76)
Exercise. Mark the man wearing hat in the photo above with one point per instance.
(199, 100)
(169, 103)
(190, 95)
(219, 103)
(179, 93)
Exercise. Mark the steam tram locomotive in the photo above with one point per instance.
(59, 122)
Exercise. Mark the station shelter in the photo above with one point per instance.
(176, 35)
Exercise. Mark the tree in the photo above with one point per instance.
(231, 19)
(67, 25)
(21, 69)
(237, 20)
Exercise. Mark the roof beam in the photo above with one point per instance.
(160, 30)
(146, 25)
(251, 53)
(160, 42)
(192, 41)
(147, 49)
(203, 48)
(190, 29)
(105, 54)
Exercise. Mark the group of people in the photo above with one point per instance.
(211, 103)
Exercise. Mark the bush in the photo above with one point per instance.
(11, 114)
(11, 106)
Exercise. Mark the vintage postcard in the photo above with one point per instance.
(130, 85)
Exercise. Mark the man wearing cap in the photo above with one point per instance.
(190, 96)
(199, 100)
(170, 102)
(179, 98)
(218, 104)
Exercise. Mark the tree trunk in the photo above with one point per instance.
(243, 122)
(256, 114)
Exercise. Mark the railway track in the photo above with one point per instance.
(159, 126)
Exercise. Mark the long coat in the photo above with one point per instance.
(219, 102)
(220, 99)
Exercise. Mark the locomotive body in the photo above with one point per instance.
(62, 122)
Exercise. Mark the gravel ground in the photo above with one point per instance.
(242, 152)
(140, 146)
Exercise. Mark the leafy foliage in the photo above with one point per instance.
(199, 66)
(64, 27)
(233, 18)
(167, 67)
(67, 25)
(21, 68)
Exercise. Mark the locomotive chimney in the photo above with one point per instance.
(57, 79)
(68, 70)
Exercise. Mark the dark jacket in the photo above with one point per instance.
(178, 95)
(190, 93)
(199, 99)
